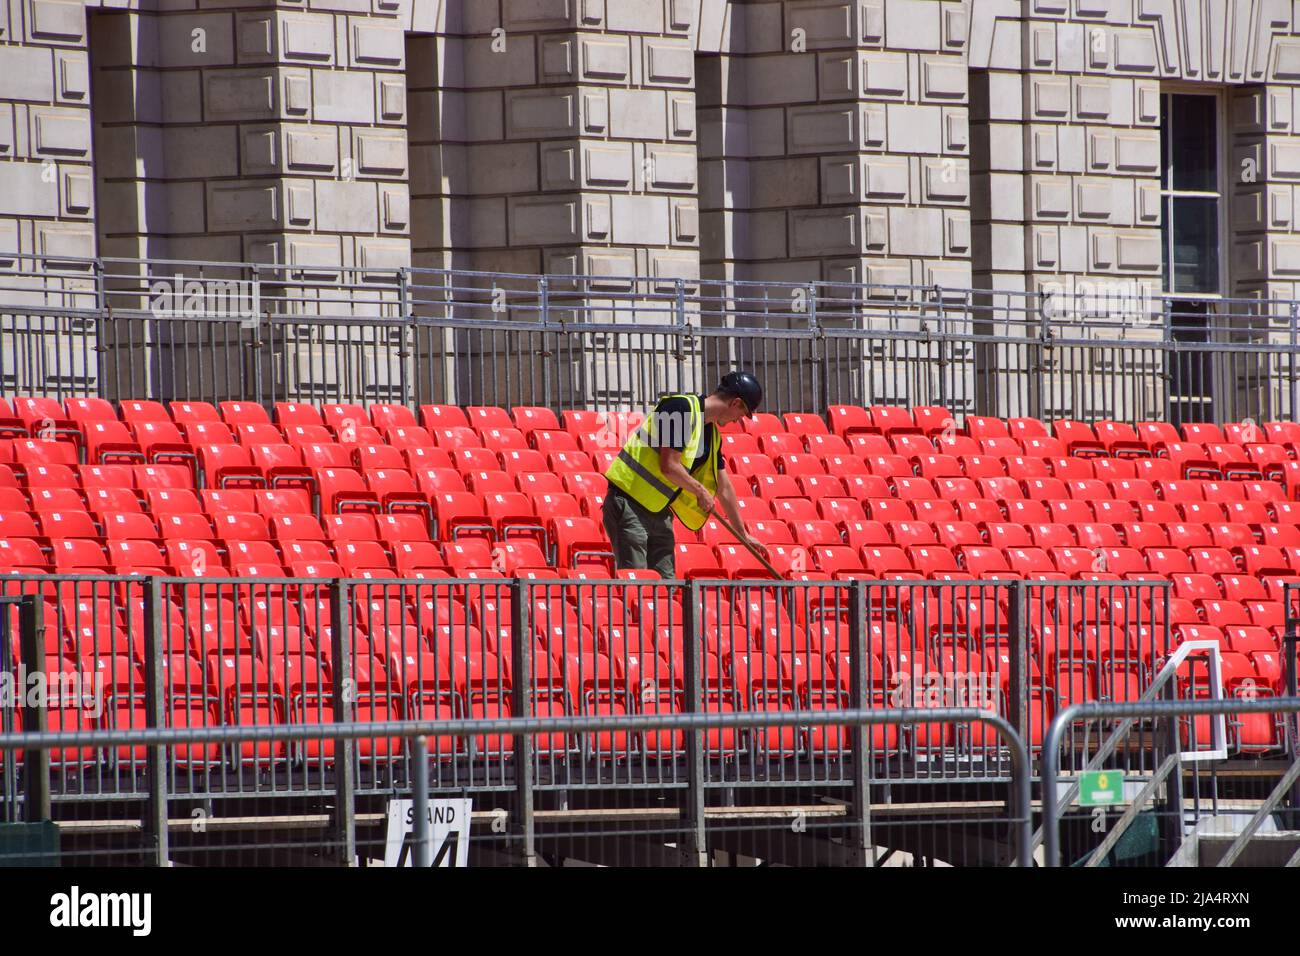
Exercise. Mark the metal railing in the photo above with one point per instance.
(189, 652)
(163, 329)
(269, 651)
(853, 841)
(266, 663)
(1167, 777)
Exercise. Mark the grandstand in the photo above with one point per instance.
(265, 557)
(321, 324)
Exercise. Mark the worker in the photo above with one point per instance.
(673, 464)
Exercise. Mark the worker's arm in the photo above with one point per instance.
(670, 463)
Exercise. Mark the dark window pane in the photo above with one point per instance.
(1195, 230)
(1166, 141)
(1166, 217)
(1193, 148)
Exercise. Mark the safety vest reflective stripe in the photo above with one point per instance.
(645, 474)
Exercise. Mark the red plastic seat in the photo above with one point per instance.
(955, 534)
(1032, 561)
(846, 420)
(304, 436)
(126, 525)
(457, 513)
(110, 441)
(983, 426)
(237, 413)
(956, 489)
(343, 489)
(297, 413)
(228, 466)
(884, 560)
(296, 527)
(980, 511)
(839, 510)
(893, 419)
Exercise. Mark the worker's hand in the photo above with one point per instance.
(705, 499)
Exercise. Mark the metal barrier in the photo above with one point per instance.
(164, 329)
(1168, 774)
(856, 844)
(268, 651)
(266, 655)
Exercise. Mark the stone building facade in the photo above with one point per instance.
(1017, 145)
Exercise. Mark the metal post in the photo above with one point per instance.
(1018, 680)
(420, 756)
(344, 822)
(36, 766)
(695, 850)
(1172, 809)
(1290, 647)
(1039, 370)
(679, 307)
(1050, 770)
(544, 308)
(1291, 354)
(820, 374)
(155, 822)
(522, 829)
(859, 750)
(8, 760)
(257, 336)
(101, 350)
(410, 343)
(1170, 352)
(942, 344)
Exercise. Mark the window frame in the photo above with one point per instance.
(1220, 195)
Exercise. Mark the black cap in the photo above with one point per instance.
(745, 387)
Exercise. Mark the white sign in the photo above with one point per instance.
(448, 832)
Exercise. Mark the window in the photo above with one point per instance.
(1191, 192)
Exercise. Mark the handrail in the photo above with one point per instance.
(1268, 806)
(32, 740)
(1087, 307)
(1154, 709)
(1121, 730)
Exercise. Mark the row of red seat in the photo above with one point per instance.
(890, 495)
(32, 414)
(147, 431)
(295, 688)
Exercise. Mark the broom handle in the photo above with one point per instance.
(745, 541)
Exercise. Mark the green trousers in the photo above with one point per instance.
(640, 538)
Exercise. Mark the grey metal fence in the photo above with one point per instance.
(259, 657)
(690, 831)
(274, 651)
(130, 329)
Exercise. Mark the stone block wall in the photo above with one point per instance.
(558, 136)
(46, 182)
(1067, 136)
(836, 144)
(1009, 145)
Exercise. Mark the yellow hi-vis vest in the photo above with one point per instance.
(636, 469)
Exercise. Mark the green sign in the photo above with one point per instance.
(1100, 788)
